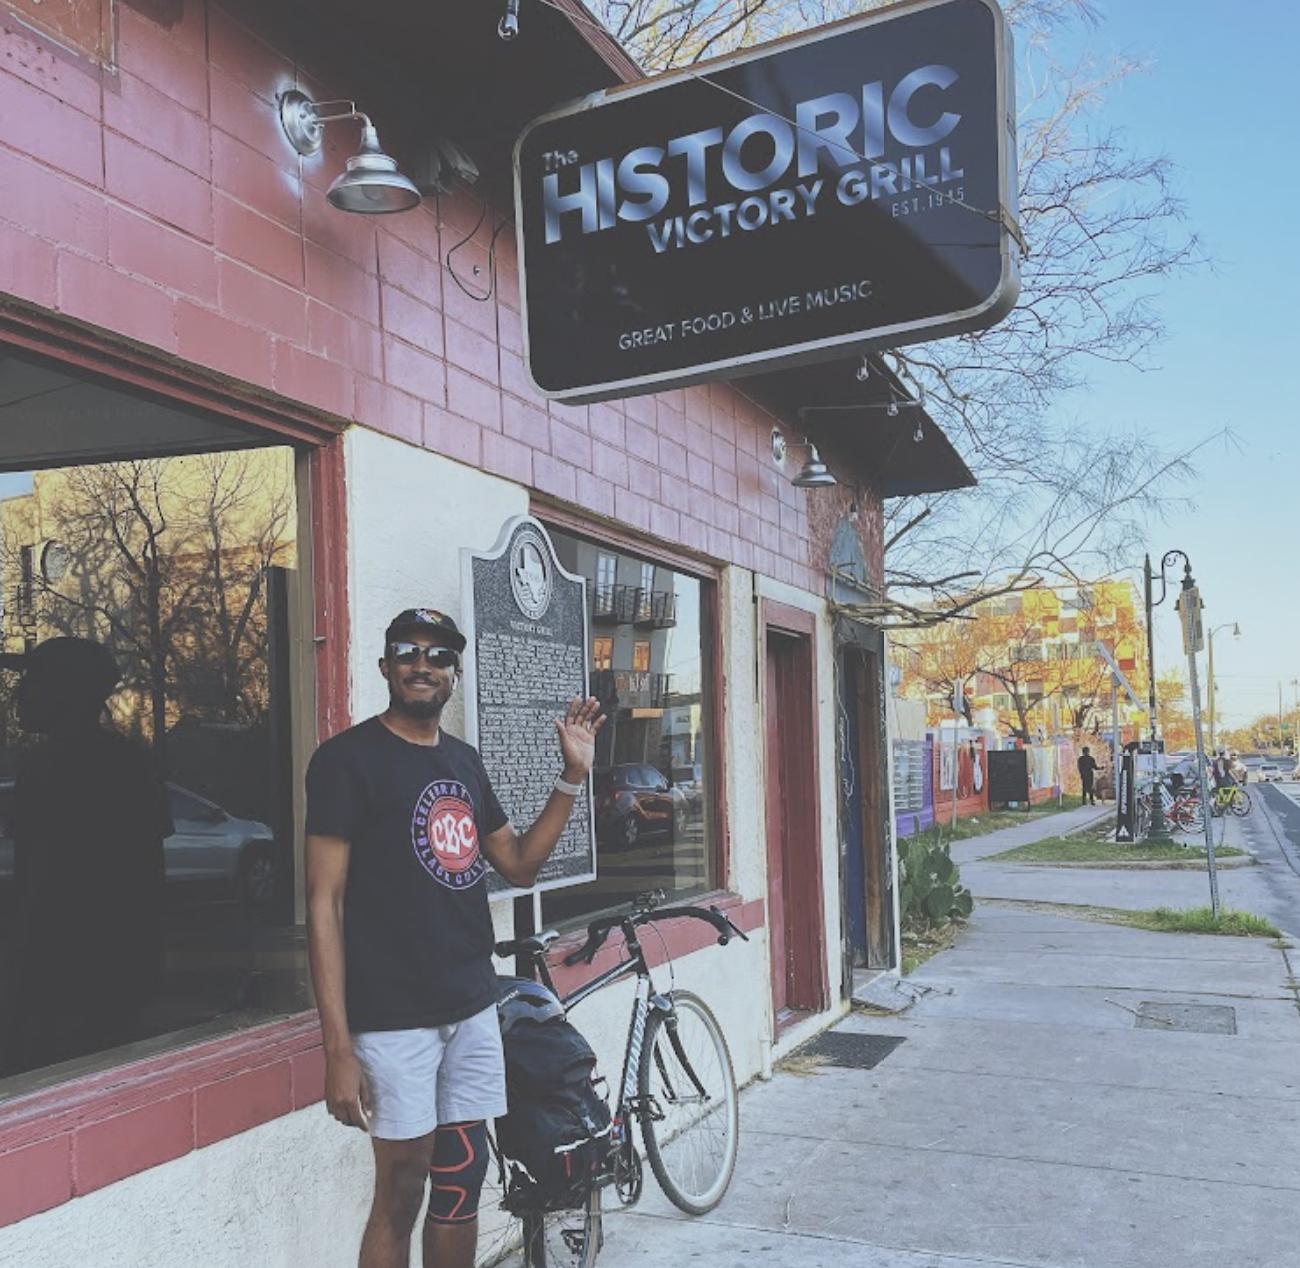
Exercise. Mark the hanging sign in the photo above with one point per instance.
(850, 188)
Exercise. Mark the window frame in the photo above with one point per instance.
(130, 1117)
(564, 519)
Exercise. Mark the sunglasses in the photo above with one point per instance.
(410, 653)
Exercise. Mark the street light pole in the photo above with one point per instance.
(1159, 829)
(1236, 633)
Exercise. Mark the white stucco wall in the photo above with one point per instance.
(290, 1194)
(409, 514)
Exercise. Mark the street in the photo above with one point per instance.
(1272, 833)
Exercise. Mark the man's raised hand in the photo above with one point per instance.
(577, 731)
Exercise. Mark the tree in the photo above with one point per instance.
(1102, 226)
(1173, 712)
(167, 559)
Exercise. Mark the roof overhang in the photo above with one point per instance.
(848, 417)
(441, 70)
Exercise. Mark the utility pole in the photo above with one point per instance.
(1236, 633)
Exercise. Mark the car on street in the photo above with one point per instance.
(632, 801)
(1268, 773)
(209, 847)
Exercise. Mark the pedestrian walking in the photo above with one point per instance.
(402, 821)
(1088, 774)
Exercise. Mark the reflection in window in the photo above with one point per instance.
(648, 669)
(178, 567)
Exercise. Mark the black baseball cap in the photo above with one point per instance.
(427, 621)
(84, 664)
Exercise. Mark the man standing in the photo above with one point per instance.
(1088, 774)
(400, 820)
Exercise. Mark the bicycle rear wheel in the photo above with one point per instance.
(551, 1239)
(690, 1115)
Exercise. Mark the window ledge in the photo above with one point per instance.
(65, 1141)
(69, 1140)
(678, 938)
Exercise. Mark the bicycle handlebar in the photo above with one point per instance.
(599, 930)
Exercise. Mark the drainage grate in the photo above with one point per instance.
(1204, 1019)
(854, 1052)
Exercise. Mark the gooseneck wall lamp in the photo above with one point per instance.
(813, 474)
(371, 185)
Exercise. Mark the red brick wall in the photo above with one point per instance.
(163, 203)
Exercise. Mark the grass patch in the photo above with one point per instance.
(919, 945)
(1233, 924)
(994, 820)
(1090, 848)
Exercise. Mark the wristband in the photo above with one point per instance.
(562, 785)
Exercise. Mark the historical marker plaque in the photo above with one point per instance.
(526, 659)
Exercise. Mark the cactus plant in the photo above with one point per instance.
(930, 889)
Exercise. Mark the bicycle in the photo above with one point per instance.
(1231, 799)
(677, 1084)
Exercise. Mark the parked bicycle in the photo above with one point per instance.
(1182, 808)
(677, 1085)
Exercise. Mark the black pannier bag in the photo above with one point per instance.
(557, 1127)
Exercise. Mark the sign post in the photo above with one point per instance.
(842, 189)
(1189, 608)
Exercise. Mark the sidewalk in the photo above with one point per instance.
(1027, 1118)
(1055, 825)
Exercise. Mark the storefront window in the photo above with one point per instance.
(649, 669)
(146, 864)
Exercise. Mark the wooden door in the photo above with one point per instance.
(795, 917)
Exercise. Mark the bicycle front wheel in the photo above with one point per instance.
(690, 1116)
(1241, 803)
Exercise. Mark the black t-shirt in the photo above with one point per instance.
(1087, 766)
(417, 928)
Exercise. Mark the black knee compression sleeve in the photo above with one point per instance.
(456, 1173)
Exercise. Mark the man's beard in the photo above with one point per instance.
(422, 709)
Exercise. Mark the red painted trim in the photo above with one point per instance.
(568, 520)
(329, 536)
(809, 898)
(77, 1137)
(121, 364)
(783, 618)
(680, 938)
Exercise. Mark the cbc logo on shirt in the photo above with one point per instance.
(444, 835)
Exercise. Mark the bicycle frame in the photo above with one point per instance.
(644, 1000)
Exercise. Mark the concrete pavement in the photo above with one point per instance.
(1027, 1118)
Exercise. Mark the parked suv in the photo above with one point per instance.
(633, 801)
(208, 847)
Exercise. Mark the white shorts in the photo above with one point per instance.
(443, 1074)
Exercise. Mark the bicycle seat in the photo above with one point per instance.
(533, 944)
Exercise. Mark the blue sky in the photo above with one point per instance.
(1217, 101)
